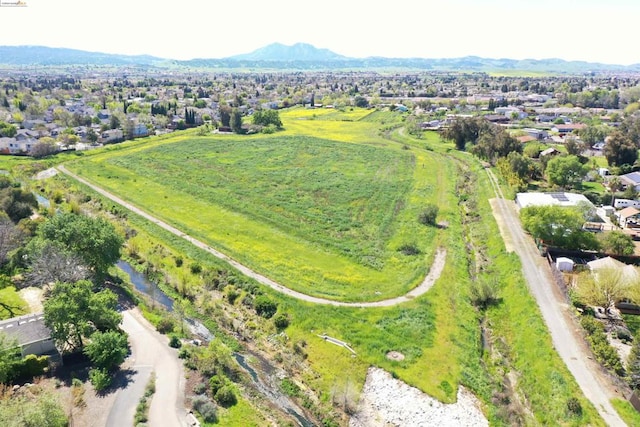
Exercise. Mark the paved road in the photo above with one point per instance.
(150, 353)
(427, 283)
(555, 311)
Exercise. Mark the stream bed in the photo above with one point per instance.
(263, 374)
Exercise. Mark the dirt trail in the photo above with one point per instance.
(434, 272)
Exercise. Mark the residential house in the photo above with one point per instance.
(551, 199)
(140, 130)
(629, 272)
(631, 179)
(564, 129)
(31, 333)
(628, 217)
(539, 134)
(551, 151)
(111, 135)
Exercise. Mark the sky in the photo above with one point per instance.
(588, 30)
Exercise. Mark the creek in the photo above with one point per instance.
(263, 374)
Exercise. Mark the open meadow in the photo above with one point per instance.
(319, 216)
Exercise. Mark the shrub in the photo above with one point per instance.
(174, 342)
(600, 346)
(428, 215)
(200, 388)
(216, 383)
(290, 388)
(265, 307)
(165, 325)
(206, 408)
(100, 379)
(179, 261)
(409, 249)
(196, 268)
(225, 396)
(33, 366)
(281, 320)
(574, 407)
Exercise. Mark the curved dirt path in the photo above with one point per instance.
(434, 272)
(567, 341)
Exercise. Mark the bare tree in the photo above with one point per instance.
(53, 265)
(10, 237)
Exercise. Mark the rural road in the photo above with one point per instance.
(434, 272)
(150, 354)
(565, 334)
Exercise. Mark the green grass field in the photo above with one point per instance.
(322, 216)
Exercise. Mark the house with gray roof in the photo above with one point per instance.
(32, 335)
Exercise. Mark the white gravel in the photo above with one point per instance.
(388, 402)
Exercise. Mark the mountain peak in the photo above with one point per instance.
(295, 52)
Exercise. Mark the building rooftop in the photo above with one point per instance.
(550, 199)
(26, 329)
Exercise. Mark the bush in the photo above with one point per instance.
(281, 320)
(200, 388)
(600, 346)
(196, 268)
(265, 307)
(574, 407)
(216, 383)
(174, 342)
(225, 396)
(206, 408)
(165, 325)
(409, 249)
(33, 366)
(428, 215)
(100, 379)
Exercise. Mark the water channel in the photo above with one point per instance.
(263, 376)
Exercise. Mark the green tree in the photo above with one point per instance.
(493, 143)
(17, 203)
(74, 311)
(225, 115)
(614, 185)
(27, 410)
(558, 226)
(236, 120)
(565, 171)
(94, 240)
(107, 350)
(266, 118)
(617, 242)
(620, 149)
(465, 130)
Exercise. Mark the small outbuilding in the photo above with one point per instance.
(564, 264)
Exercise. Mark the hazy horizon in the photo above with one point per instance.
(572, 30)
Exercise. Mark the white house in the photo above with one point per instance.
(551, 199)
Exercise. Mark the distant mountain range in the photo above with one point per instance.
(300, 56)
